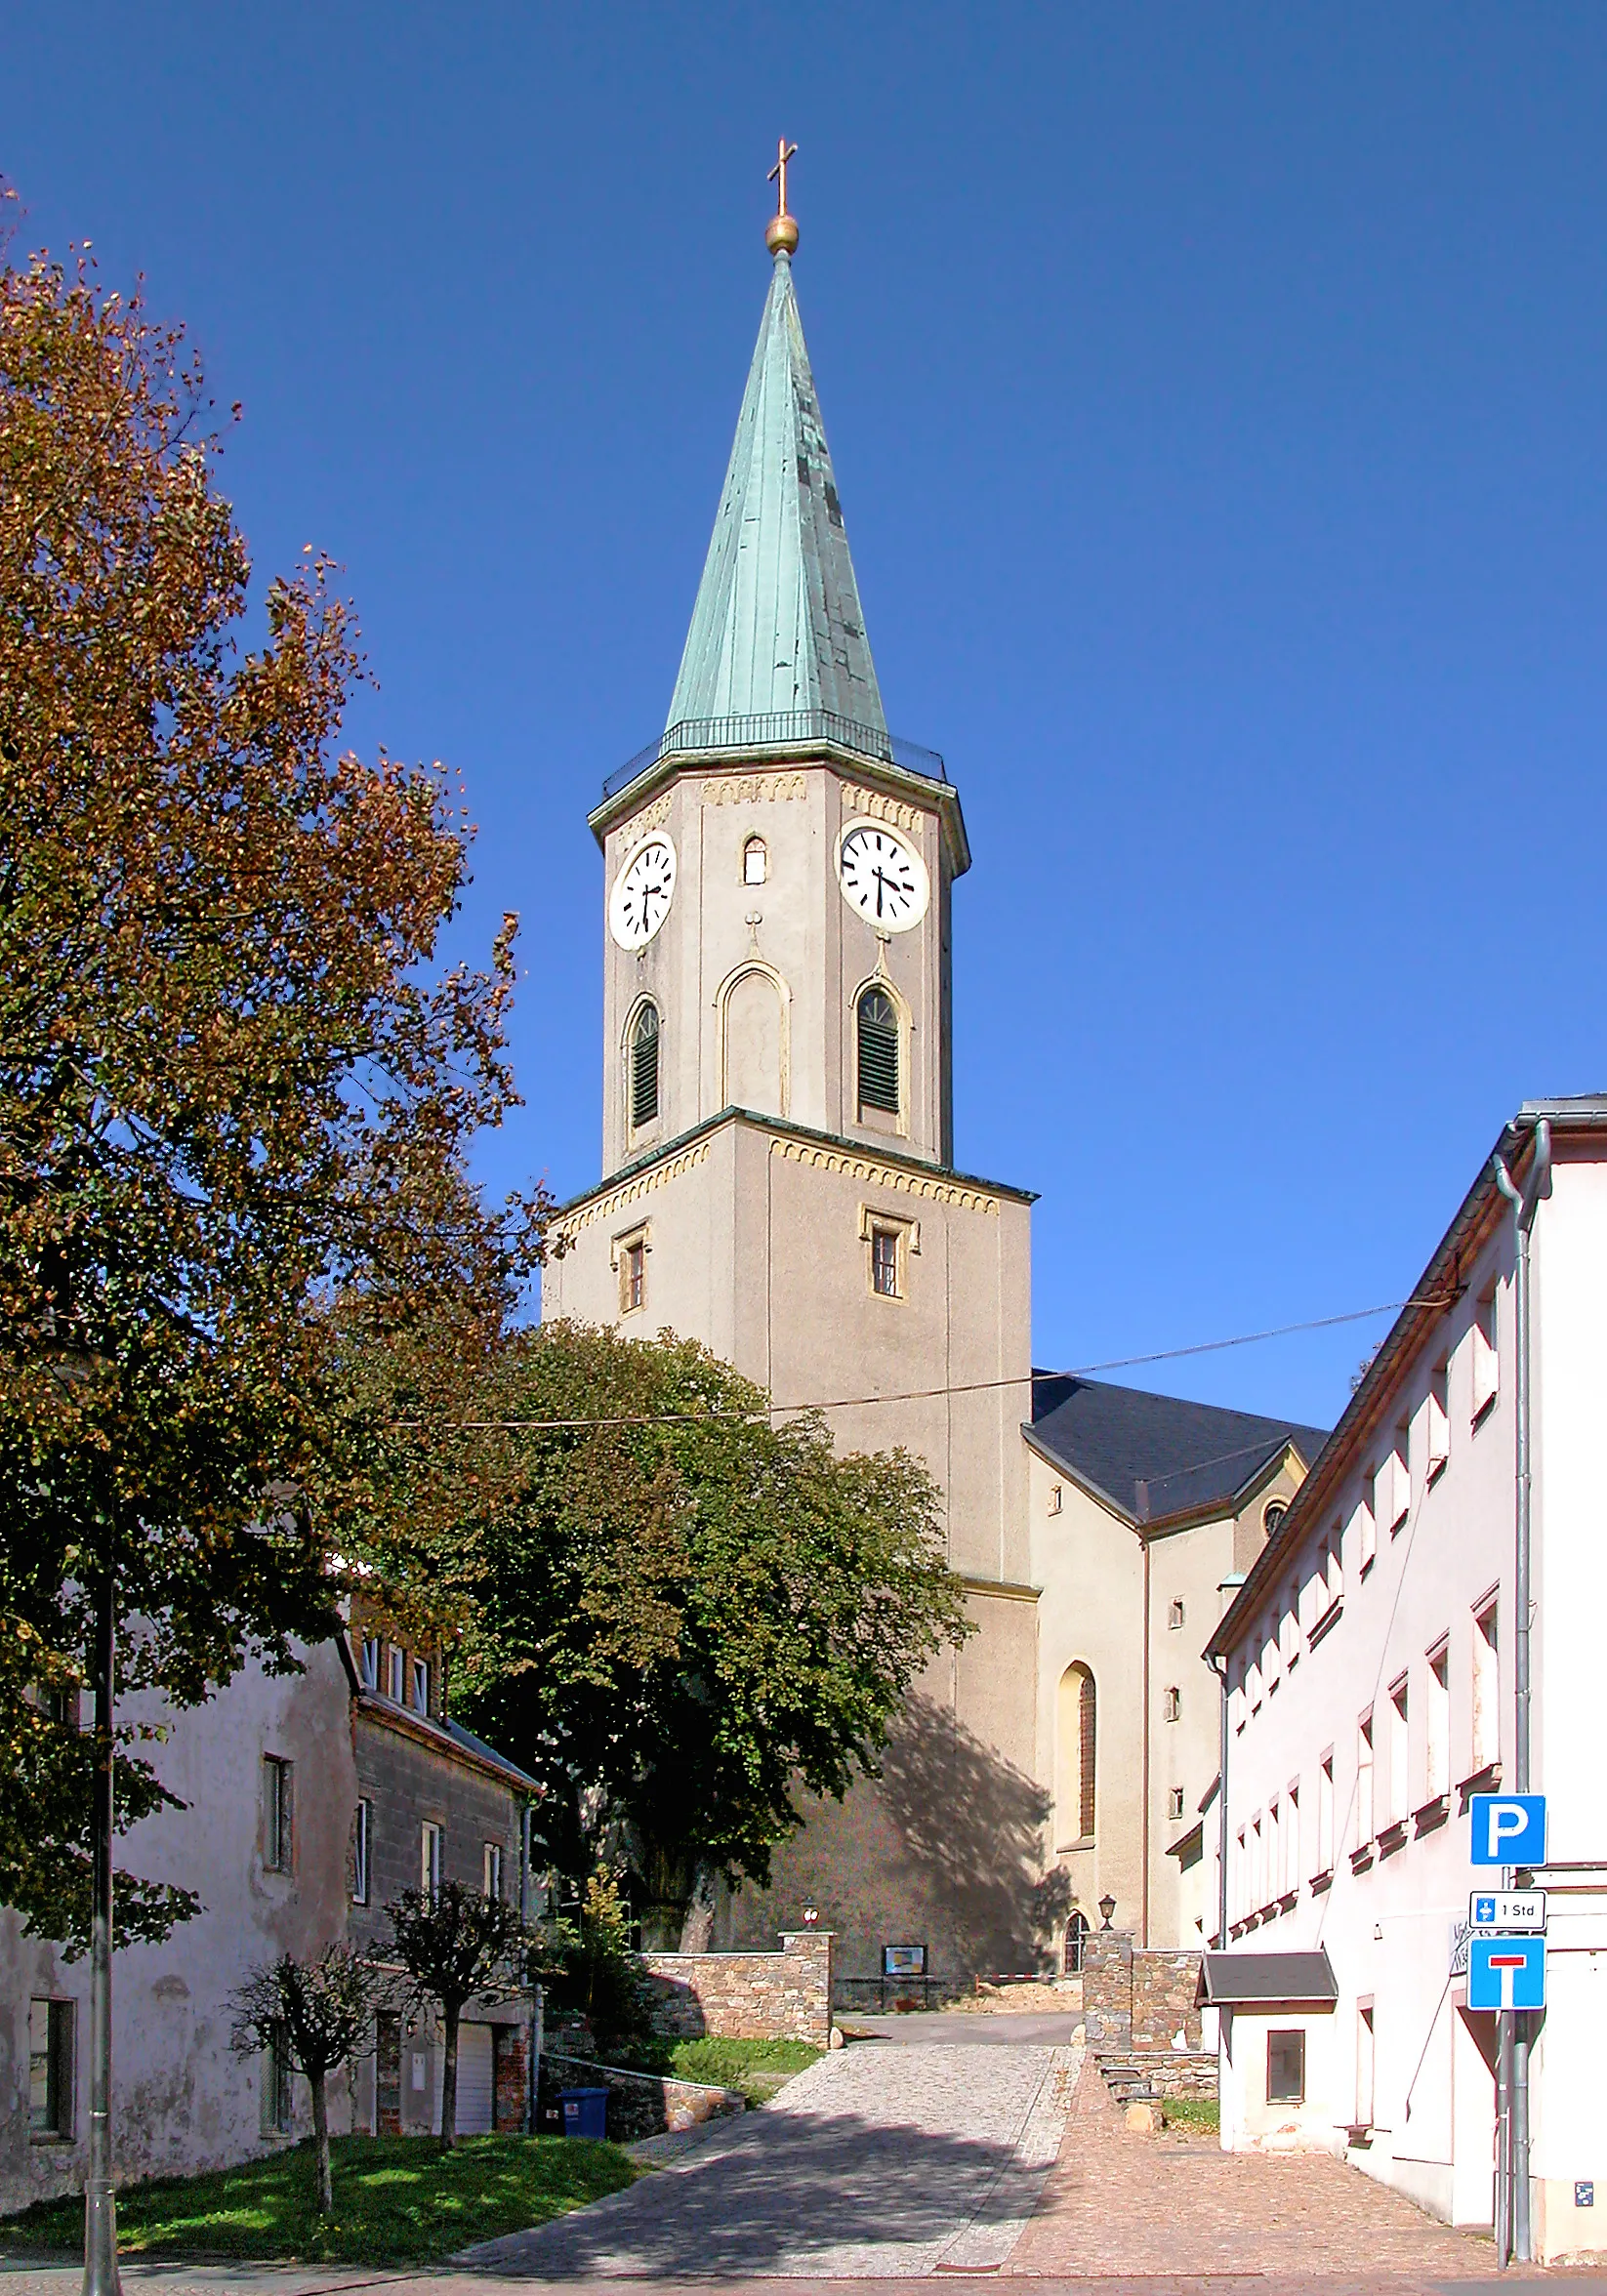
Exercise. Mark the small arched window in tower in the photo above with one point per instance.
(1273, 1516)
(877, 1032)
(643, 1063)
(756, 862)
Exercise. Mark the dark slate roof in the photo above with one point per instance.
(1156, 1456)
(1265, 1980)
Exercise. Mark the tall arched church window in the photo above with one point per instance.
(878, 1046)
(1078, 1752)
(644, 1067)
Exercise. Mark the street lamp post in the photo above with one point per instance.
(101, 2276)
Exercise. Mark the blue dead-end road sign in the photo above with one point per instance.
(1506, 1972)
(1509, 1829)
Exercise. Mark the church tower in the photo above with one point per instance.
(778, 1119)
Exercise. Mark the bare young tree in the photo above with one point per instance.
(320, 2015)
(456, 1946)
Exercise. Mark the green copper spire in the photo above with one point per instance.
(777, 625)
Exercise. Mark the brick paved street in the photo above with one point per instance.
(1174, 2207)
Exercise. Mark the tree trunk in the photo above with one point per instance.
(320, 2143)
(449, 2080)
(697, 1929)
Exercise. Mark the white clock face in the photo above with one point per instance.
(883, 876)
(640, 899)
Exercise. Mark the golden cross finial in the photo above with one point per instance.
(778, 174)
(781, 234)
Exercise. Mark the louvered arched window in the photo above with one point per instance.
(878, 1034)
(644, 1067)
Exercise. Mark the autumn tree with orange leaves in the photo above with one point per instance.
(236, 1077)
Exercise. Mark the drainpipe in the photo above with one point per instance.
(1218, 1668)
(1525, 1202)
(1144, 1923)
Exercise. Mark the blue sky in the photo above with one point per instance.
(1218, 400)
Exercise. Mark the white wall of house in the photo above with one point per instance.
(182, 2100)
(1397, 1577)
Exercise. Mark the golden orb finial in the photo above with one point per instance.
(781, 231)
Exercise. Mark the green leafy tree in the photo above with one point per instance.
(679, 1612)
(236, 1079)
(320, 2015)
(455, 1946)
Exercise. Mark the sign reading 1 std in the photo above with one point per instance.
(1506, 1910)
(1509, 1829)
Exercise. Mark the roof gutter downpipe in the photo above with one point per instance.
(1525, 1202)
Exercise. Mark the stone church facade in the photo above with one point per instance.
(778, 1182)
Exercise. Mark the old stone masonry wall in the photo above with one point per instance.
(784, 1996)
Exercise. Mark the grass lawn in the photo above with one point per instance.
(1192, 2112)
(398, 2200)
(757, 2068)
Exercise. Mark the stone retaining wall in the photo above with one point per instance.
(639, 2103)
(784, 1996)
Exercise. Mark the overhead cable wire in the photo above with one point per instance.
(1119, 1362)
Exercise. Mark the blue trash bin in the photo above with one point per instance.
(584, 2112)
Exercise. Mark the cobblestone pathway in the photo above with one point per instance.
(877, 2163)
(1158, 2211)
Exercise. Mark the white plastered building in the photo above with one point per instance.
(1370, 1680)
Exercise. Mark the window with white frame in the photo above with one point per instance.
(1364, 1778)
(1437, 1737)
(1483, 1341)
(396, 1673)
(491, 1872)
(1486, 1687)
(756, 861)
(370, 1668)
(421, 1686)
(1398, 1473)
(1400, 1752)
(1436, 1422)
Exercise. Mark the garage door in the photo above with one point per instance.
(476, 2081)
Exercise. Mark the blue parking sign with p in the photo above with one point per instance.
(1509, 1829)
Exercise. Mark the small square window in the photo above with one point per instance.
(1055, 1497)
(1175, 1613)
(1172, 1704)
(1286, 2067)
(1174, 1803)
(885, 1262)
